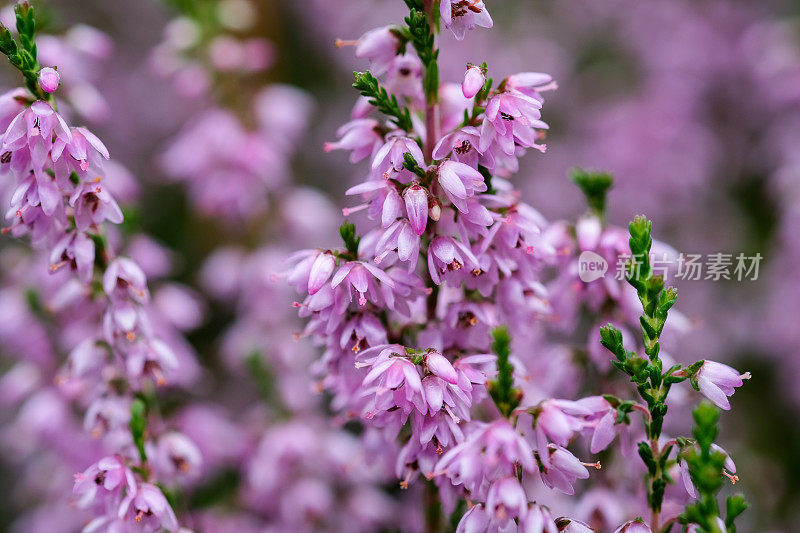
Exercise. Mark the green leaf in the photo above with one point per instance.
(734, 506)
(368, 86)
(424, 42)
(611, 339)
(595, 186)
(410, 164)
(351, 241)
(505, 395)
(138, 424)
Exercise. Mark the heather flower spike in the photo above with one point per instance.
(715, 380)
(418, 310)
(60, 199)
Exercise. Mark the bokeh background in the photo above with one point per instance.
(693, 105)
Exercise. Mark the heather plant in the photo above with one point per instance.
(452, 319)
(116, 356)
(438, 300)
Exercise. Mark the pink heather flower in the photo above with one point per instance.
(531, 83)
(562, 469)
(462, 146)
(321, 270)
(510, 119)
(558, 421)
(459, 182)
(416, 199)
(76, 250)
(34, 128)
(729, 465)
(490, 453)
(379, 46)
(28, 144)
(404, 78)
(298, 275)
(400, 237)
(85, 357)
(398, 384)
(635, 526)
(362, 332)
(393, 208)
(463, 15)
(109, 477)
(362, 277)
(86, 149)
(717, 381)
(49, 79)
(447, 255)
(601, 422)
(150, 508)
(569, 525)
(474, 80)
(151, 360)
(440, 393)
(588, 230)
(537, 520)
(125, 279)
(475, 520)
(390, 157)
(506, 500)
(93, 205)
(359, 136)
(176, 454)
(458, 396)
(124, 319)
(107, 415)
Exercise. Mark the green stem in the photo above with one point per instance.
(433, 508)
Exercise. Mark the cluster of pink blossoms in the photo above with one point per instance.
(61, 202)
(407, 345)
(230, 164)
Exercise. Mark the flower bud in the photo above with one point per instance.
(320, 272)
(441, 367)
(436, 210)
(474, 79)
(49, 79)
(416, 198)
(588, 231)
(633, 526)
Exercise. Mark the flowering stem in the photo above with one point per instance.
(421, 26)
(432, 129)
(652, 382)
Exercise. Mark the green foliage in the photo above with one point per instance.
(261, 375)
(138, 425)
(424, 42)
(502, 390)
(23, 55)
(595, 186)
(218, 490)
(705, 469)
(351, 240)
(368, 86)
(264, 380)
(410, 164)
(652, 383)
